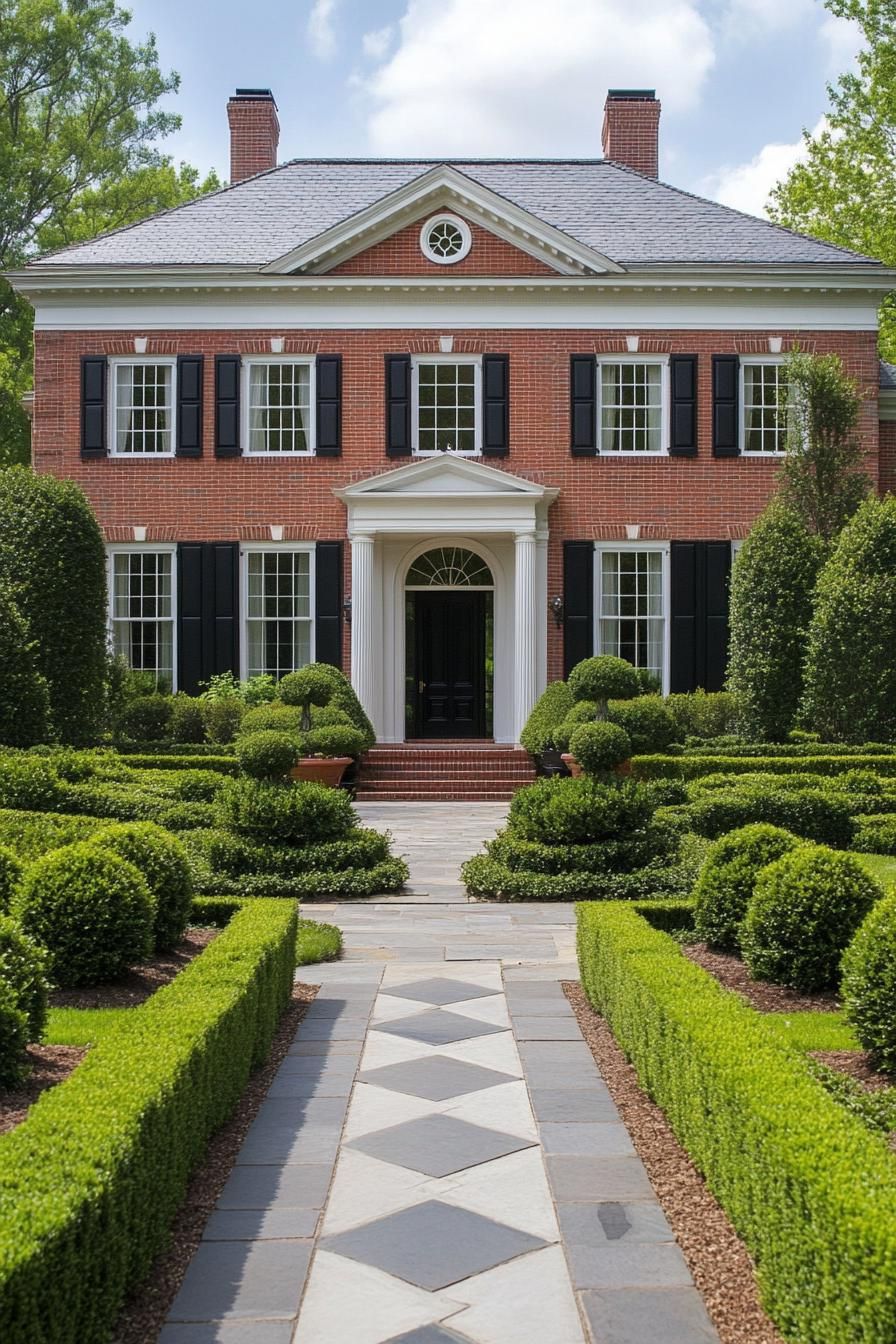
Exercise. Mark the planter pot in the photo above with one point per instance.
(624, 767)
(572, 765)
(321, 770)
(550, 763)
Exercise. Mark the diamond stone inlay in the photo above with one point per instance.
(435, 1077)
(438, 1145)
(430, 1334)
(438, 1027)
(432, 1244)
(439, 990)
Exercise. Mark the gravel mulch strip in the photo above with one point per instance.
(50, 1064)
(718, 1260)
(144, 1314)
(140, 982)
(857, 1064)
(731, 972)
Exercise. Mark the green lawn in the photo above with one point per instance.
(317, 942)
(812, 1031)
(881, 866)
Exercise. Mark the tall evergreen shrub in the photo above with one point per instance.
(53, 561)
(850, 660)
(772, 583)
(24, 704)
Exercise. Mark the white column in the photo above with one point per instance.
(525, 632)
(363, 641)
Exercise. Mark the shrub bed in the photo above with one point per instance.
(809, 813)
(692, 767)
(808, 1188)
(30, 834)
(90, 1181)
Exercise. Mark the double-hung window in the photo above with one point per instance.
(632, 605)
(142, 610)
(277, 394)
(764, 402)
(631, 405)
(142, 407)
(278, 605)
(446, 405)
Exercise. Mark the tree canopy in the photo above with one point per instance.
(79, 122)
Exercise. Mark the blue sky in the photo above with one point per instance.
(738, 79)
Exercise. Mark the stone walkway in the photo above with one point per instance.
(438, 1159)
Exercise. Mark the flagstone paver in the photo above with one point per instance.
(438, 1160)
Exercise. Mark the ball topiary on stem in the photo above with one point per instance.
(604, 678)
(869, 983)
(600, 747)
(309, 686)
(727, 877)
(267, 754)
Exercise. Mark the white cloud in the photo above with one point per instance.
(747, 186)
(748, 19)
(522, 77)
(378, 42)
(843, 40)
(321, 33)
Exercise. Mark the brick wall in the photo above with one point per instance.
(211, 499)
(631, 133)
(400, 254)
(254, 136)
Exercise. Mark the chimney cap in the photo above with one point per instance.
(254, 95)
(631, 95)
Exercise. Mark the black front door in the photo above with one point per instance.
(449, 631)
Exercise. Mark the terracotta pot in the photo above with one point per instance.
(624, 767)
(572, 765)
(321, 770)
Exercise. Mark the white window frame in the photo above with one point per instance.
(665, 414)
(463, 228)
(266, 547)
(664, 548)
(753, 361)
(248, 362)
(416, 362)
(114, 363)
(143, 548)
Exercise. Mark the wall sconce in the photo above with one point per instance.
(347, 610)
(557, 609)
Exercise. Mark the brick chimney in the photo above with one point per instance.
(254, 133)
(631, 131)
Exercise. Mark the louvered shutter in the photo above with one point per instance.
(329, 405)
(398, 405)
(583, 405)
(328, 603)
(495, 405)
(578, 603)
(208, 611)
(189, 405)
(227, 405)
(725, 410)
(93, 406)
(683, 430)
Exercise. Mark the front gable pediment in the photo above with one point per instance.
(444, 476)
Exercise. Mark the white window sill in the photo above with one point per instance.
(776, 454)
(439, 452)
(274, 453)
(646, 452)
(144, 457)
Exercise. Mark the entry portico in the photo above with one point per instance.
(453, 505)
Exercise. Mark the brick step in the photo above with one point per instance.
(513, 769)
(430, 785)
(379, 754)
(433, 796)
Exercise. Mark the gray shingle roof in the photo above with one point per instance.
(632, 219)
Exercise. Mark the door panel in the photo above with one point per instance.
(450, 664)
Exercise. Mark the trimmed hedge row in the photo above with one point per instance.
(316, 885)
(90, 1181)
(30, 834)
(487, 879)
(808, 1188)
(692, 767)
(137, 758)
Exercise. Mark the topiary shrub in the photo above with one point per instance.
(147, 718)
(578, 811)
(703, 714)
(340, 739)
(222, 718)
(850, 669)
(13, 1039)
(273, 718)
(162, 860)
(727, 878)
(29, 783)
(548, 712)
(295, 813)
(875, 834)
(91, 910)
(267, 755)
(23, 970)
(604, 678)
(804, 910)
(600, 747)
(770, 609)
(24, 701)
(187, 723)
(343, 697)
(647, 721)
(195, 786)
(869, 983)
(810, 813)
(11, 871)
(309, 686)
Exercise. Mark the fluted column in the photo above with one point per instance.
(525, 635)
(363, 641)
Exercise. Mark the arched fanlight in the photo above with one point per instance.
(449, 567)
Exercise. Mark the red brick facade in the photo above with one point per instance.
(401, 255)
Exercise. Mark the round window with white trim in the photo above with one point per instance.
(445, 239)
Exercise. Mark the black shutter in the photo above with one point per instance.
(398, 405)
(583, 405)
(208, 611)
(93, 406)
(699, 614)
(227, 405)
(329, 405)
(495, 405)
(683, 378)
(328, 603)
(578, 603)
(189, 405)
(725, 419)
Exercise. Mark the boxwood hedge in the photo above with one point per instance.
(692, 767)
(809, 1189)
(90, 1181)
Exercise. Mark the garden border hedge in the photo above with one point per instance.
(693, 767)
(90, 1181)
(809, 1189)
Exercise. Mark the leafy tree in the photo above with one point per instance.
(771, 606)
(23, 691)
(821, 477)
(845, 191)
(850, 673)
(78, 120)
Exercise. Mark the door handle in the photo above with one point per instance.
(421, 687)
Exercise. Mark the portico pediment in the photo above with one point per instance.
(444, 476)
